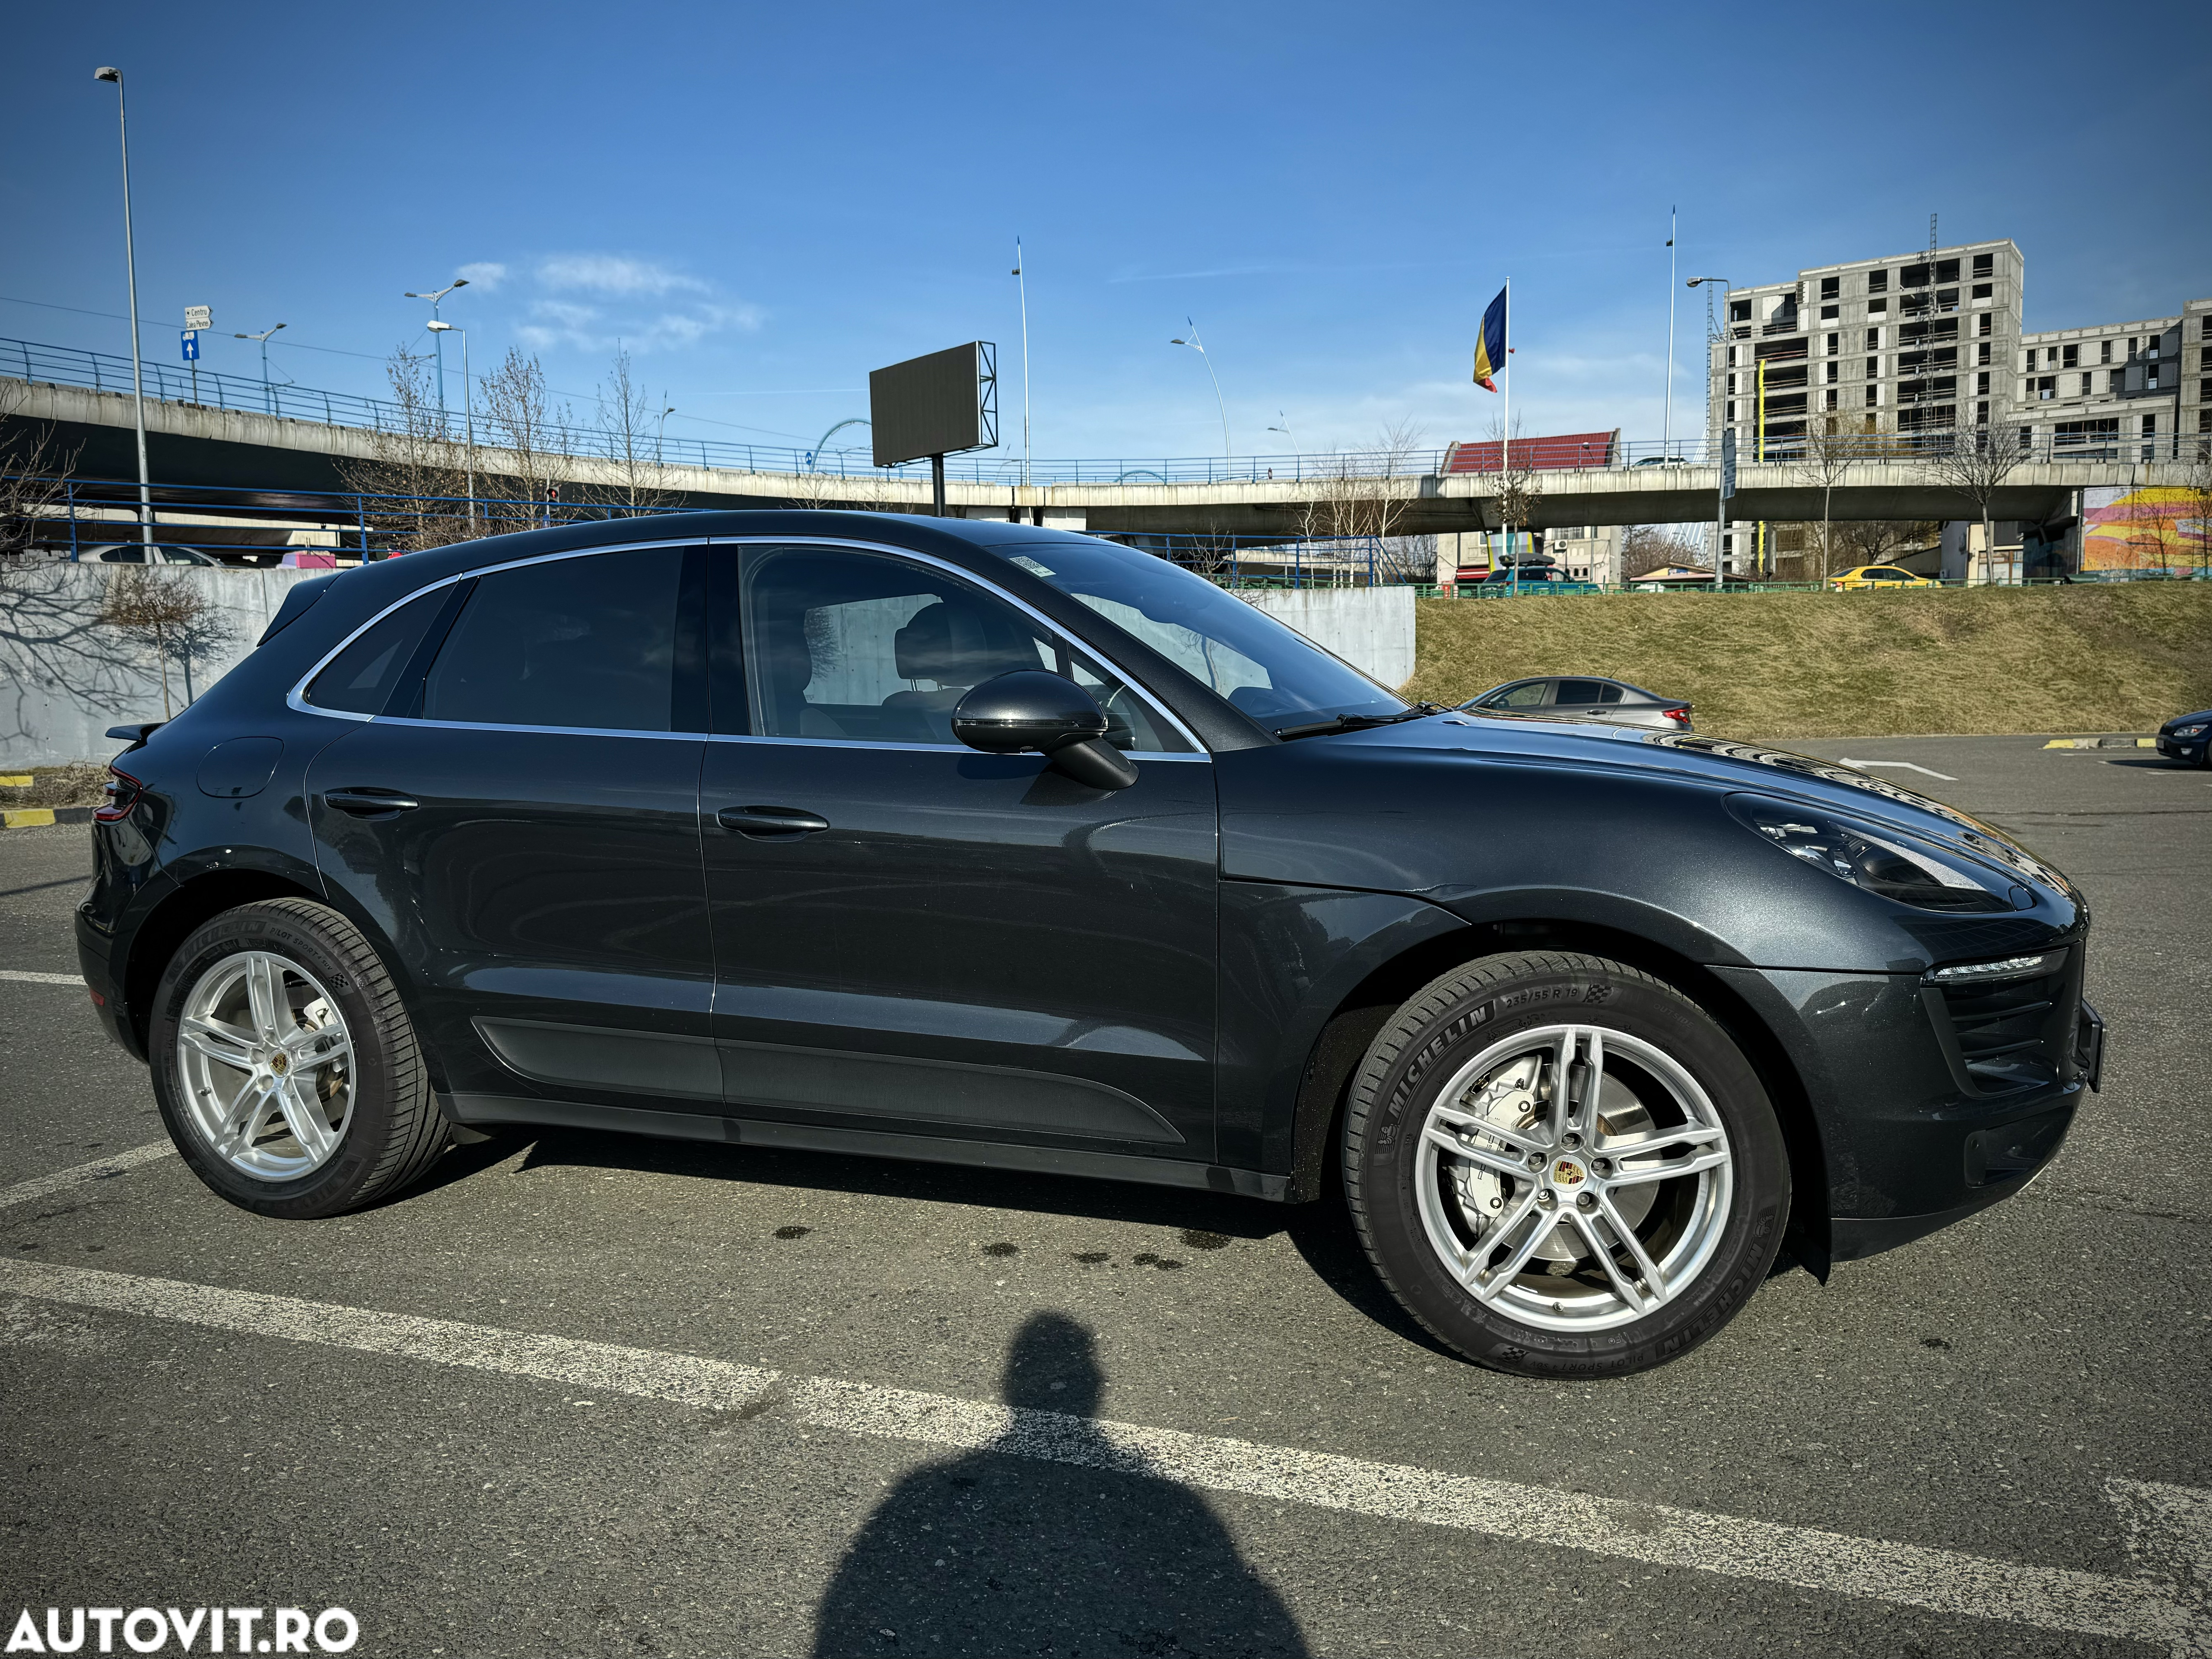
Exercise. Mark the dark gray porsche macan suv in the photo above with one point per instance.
(987, 844)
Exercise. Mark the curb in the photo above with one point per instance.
(2102, 743)
(36, 817)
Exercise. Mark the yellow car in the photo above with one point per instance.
(1877, 575)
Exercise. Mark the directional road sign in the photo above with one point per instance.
(191, 337)
(199, 316)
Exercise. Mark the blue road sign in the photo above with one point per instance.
(191, 337)
(1728, 464)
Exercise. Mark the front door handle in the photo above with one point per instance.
(770, 823)
(369, 803)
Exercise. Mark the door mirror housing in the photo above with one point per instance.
(1032, 712)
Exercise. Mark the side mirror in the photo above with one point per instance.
(1032, 712)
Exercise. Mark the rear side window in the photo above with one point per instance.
(587, 642)
(1610, 693)
(360, 678)
(1580, 691)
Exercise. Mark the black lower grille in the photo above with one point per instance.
(2013, 1034)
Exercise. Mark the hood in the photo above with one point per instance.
(1725, 765)
(2187, 719)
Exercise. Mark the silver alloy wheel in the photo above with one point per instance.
(266, 1065)
(1574, 1177)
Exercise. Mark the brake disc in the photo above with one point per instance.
(1509, 1097)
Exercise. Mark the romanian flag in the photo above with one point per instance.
(1490, 349)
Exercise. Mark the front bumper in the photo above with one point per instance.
(1928, 1105)
(2184, 749)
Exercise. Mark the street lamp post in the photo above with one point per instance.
(131, 272)
(268, 404)
(1666, 429)
(469, 404)
(1022, 282)
(1199, 346)
(1720, 510)
(436, 331)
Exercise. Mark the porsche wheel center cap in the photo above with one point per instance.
(1567, 1174)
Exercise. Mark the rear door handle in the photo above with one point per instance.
(778, 823)
(369, 803)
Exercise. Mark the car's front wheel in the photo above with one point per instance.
(286, 1068)
(1562, 1167)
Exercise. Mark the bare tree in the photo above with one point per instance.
(33, 472)
(166, 610)
(1877, 541)
(1826, 454)
(2199, 497)
(414, 484)
(525, 426)
(1975, 463)
(629, 426)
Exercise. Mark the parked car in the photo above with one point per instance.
(1575, 697)
(135, 553)
(1877, 575)
(985, 843)
(2188, 738)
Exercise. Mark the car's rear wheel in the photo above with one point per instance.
(286, 1068)
(1562, 1166)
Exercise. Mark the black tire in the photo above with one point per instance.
(1453, 1021)
(392, 1131)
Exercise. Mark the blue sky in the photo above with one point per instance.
(765, 203)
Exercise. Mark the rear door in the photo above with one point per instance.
(1578, 697)
(945, 943)
(517, 810)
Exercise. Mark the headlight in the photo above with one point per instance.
(1883, 861)
(2197, 731)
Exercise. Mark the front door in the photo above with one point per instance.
(519, 816)
(913, 937)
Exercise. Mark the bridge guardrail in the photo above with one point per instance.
(70, 366)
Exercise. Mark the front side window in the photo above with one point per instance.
(1530, 694)
(1271, 673)
(586, 642)
(865, 648)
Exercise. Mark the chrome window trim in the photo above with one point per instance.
(904, 748)
(296, 699)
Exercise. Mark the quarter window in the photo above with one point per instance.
(360, 678)
(586, 642)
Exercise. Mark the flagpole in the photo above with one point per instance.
(1666, 442)
(1505, 443)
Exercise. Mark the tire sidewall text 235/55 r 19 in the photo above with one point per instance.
(1470, 1012)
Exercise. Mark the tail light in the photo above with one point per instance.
(123, 792)
(1680, 716)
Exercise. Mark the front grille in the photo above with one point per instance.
(2014, 1034)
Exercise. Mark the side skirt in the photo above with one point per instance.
(473, 1110)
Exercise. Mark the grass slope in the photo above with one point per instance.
(2087, 658)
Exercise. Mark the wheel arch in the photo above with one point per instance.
(1350, 1029)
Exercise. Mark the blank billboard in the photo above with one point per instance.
(939, 404)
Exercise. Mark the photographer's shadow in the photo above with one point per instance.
(998, 1553)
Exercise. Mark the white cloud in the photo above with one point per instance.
(486, 274)
(595, 328)
(614, 274)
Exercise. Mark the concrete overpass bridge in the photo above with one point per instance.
(283, 457)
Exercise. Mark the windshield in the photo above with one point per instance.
(1268, 671)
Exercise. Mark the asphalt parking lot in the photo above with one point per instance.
(774, 1404)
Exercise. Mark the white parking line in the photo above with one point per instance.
(26, 1192)
(1907, 765)
(28, 978)
(2144, 1609)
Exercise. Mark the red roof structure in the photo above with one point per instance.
(1571, 449)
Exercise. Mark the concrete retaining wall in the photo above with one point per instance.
(66, 677)
(1370, 627)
